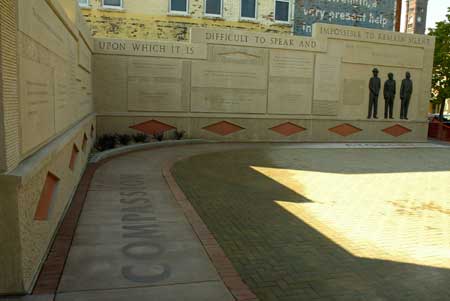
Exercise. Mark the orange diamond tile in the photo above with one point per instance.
(287, 129)
(223, 128)
(345, 129)
(396, 130)
(45, 200)
(152, 127)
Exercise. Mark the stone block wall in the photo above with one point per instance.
(46, 113)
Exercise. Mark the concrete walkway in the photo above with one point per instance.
(134, 242)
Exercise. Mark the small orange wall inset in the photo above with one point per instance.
(47, 194)
(73, 157)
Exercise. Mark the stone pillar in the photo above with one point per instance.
(10, 260)
(9, 101)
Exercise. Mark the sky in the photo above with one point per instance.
(437, 9)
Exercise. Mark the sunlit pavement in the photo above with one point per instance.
(329, 223)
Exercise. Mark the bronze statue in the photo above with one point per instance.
(374, 88)
(406, 90)
(389, 96)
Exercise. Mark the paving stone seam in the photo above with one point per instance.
(223, 265)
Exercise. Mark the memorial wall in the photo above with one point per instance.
(245, 86)
(48, 128)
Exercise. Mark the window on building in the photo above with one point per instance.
(248, 9)
(213, 7)
(282, 10)
(83, 2)
(178, 6)
(112, 3)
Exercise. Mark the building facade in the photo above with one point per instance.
(172, 19)
(416, 16)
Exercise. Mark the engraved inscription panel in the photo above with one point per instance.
(355, 91)
(238, 55)
(84, 56)
(110, 83)
(228, 75)
(228, 100)
(156, 85)
(229, 87)
(37, 103)
(290, 82)
(386, 55)
(326, 85)
(38, 21)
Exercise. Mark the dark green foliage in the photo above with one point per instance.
(178, 134)
(140, 138)
(105, 142)
(159, 136)
(124, 139)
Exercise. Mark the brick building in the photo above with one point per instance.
(171, 19)
(416, 16)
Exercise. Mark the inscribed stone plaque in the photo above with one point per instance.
(324, 108)
(290, 82)
(371, 35)
(385, 55)
(291, 63)
(228, 100)
(156, 85)
(290, 95)
(327, 77)
(84, 89)
(84, 56)
(238, 55)
(110, 83)
(219, 75)
(253, 39)
(149, 48)
(37, 103)
(38, 21)
(355, 91)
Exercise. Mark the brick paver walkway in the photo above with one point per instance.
(329, 224)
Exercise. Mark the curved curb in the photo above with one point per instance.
(221, 262)
(142, 146)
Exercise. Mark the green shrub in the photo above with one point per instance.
(105, 142)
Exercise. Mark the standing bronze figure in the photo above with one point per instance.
(406, 90)
(374, 88)
(389, 96)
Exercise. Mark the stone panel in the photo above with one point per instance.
(254, 39)
(156, 85)
(228, 100)
(290, 82)
(149, 48)
(355, 91)
(237, 55)
(84, 56)
(38, 21)
(37, 103)
(110, 83)
(382, 55)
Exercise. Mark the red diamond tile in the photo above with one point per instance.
(223, 128)
(344, 129)
(287, 129)
(152, 127)
(396, 130)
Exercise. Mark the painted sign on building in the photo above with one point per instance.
(376, 14)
